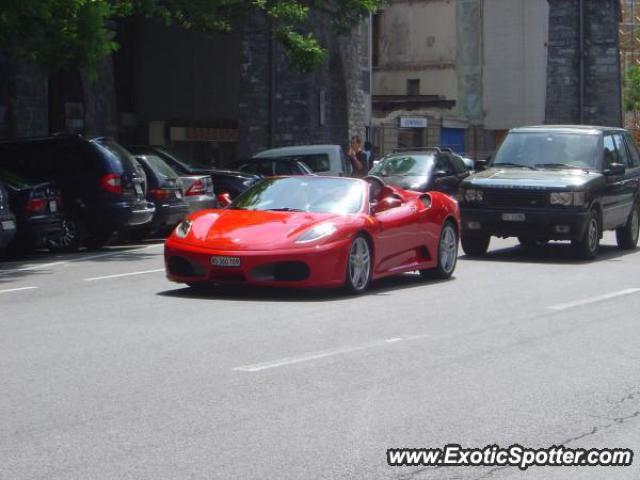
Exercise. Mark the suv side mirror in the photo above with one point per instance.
(481, 165)
(615, 170)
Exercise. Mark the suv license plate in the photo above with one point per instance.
(231, 262)
(8, 225)
(138, 188)
(514, 217)
(53, 206)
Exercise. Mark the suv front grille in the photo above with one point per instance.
(516, 198)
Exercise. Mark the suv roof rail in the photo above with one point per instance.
(418, 149)
(66, 134)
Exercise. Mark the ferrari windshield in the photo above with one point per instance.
(303, 194)
(548, 150)
(405, 165)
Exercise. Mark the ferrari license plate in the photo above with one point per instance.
(228, 262)
(514, 217)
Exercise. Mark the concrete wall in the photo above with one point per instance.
(418, 41)
(515, 62)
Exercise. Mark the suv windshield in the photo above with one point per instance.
(304, 194)
(548, 150)
(408, 166)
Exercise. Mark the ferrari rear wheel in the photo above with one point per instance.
(358, 275)
(447, 254)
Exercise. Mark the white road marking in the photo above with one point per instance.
(43, 266)
(17, 289)
(589, 301)
(120, 275)
(257, 367)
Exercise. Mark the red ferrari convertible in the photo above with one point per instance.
(317, 232)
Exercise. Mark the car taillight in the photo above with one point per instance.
(160, 193)
(197, 188)
(111, 183)
(224, 199)
(35, 205)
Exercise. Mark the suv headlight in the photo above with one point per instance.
(316, 233)
(472, 195)
(183, 228)
(567, 199)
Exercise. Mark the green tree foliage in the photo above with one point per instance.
(78, 33)
(632, 89)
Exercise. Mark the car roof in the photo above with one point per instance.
(585, 129)
(296, 150)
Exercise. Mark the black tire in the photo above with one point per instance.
(528, 242)
(588, 246)
(73, 236)
(447, 255)
(627, 236)
(475, 246)
(359, 266)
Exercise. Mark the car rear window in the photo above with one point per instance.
(317, 162)
(160, 166)
(116, 154)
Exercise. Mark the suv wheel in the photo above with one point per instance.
(73, 235)
(627, 236)
(475, 246)
(588, 246)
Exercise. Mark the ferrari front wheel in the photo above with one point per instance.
(358, 275)
(447, 254)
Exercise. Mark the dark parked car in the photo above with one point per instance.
(38, 212)
(228, 184)
(102, 191)
(164, 189)
(423, 170)
(7, 219)
(555, 183)
(273, 167)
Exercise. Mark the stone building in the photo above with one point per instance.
(460, 73)
(215, 99)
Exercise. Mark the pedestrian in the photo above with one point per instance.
(368, 151)
(357, 158)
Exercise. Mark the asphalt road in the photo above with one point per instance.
(108, 371)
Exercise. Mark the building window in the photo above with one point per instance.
(413, 87)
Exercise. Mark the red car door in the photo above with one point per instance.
(395, 243)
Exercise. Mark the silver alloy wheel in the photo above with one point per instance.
(635, 224)
(593, 235)
(359, 264)
(448, 249)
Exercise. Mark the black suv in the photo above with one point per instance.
(102, 190)
(555, 183)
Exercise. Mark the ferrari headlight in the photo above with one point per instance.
(317, 232)
(183, 229)
(567, 199)
(473, 195)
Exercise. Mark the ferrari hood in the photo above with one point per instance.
(253, 230)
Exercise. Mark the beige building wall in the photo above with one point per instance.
(515, 62)
(417, 41)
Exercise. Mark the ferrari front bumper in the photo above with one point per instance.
(321, 266)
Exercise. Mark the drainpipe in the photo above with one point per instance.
(581, 53)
